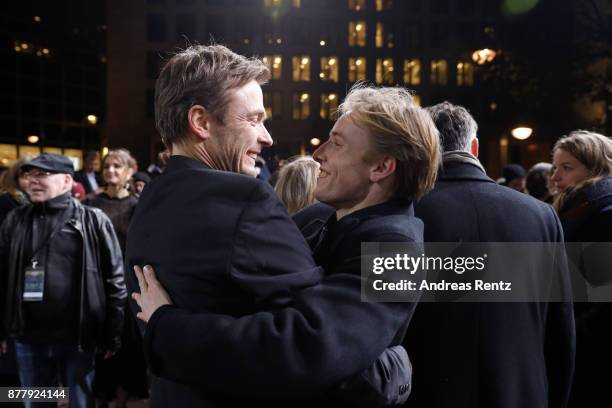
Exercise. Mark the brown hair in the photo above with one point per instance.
(200, 75)
(297, 182)
(9, 181)
(591, 149)
(401, 129)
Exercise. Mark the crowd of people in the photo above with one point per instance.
(252, 286)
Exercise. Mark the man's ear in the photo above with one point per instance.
(199, 122)
(474, 147)
(384, 168)
(68, 181)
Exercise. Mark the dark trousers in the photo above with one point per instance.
(45, 365)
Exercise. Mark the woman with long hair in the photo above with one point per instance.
(582, 179)
(123, 375)
(13, 188)
(296, 183)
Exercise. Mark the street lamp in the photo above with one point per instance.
(522, 133)
(92, 119)
(483, 56)
(315, 141)
(33, 139)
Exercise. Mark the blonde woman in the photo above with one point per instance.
(582, 178)
(296, 183)
(123, 375)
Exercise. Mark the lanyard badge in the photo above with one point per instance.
(34, 285)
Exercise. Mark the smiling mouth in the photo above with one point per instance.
(252, 155)
(323, 173)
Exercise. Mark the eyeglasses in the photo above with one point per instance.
(37, 174)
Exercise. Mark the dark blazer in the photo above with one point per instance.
(81, 177)
(502, 355)
(220, 243)
(296, 353)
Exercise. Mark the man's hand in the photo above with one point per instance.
(152, 294)
(3, 347)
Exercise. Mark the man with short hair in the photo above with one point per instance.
(504, 355)
(222, 243)
(62, 294)
(89, 175)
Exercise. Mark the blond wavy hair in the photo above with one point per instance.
(399, 128)
(296, 183)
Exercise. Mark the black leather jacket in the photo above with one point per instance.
(102, 294)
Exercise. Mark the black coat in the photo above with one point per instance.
(323, 334)
(220, 242)
(81, 177)
(502, 355)
(587, 217)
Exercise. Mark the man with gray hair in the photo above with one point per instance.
(503, 355)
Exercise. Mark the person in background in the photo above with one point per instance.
(89, 175)
(13, 193)
(78, 191)
(537, 182)
(485, 355)
(115, 198)
(62, 290)
(124, 374)
(514, 177)
(297, 182)
(263, 172)
(13, 188)
(582, 177)
(139, 180)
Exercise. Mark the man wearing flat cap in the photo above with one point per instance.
(62, 290)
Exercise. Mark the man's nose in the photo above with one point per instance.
(318, 154)
(265, 138)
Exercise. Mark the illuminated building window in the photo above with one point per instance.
(380, 31)
(272, 102)
(383, 38)
(384, 71)
(357, 5)
(384, 5)
(25, 151)
(465, 74)
(329, 69)
(439, 72)
(329, 106)
(274, 64)
(301, 68)
(273, 3)
(357, 69)
(75, 156)
(357, 33)
(301, 106)
(412, 71)
(8, 154)
(297, 3)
